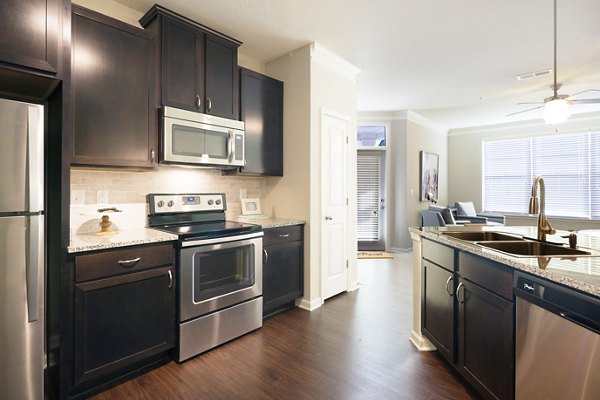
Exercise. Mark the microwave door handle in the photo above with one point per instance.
(230, 139)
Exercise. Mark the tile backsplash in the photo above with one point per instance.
(133, 186)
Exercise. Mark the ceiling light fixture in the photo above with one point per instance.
(556, 110)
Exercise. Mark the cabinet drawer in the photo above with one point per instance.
(283, 234)
(116, 262)
(491, 275)
(439, 254)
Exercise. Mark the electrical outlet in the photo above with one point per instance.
(243, 193)
(102, 197)
(78, 197)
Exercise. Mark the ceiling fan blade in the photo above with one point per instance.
(585, 91)
(585, 101)
(524, 111)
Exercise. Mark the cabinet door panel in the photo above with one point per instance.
(222, 81)
(121, 320)
(282, 275)
(486, 347)
(182, 74)
(262, 113)
(114, 122)
(31, 32)
(438, 308)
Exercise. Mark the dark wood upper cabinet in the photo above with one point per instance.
(31, 47)
(114, 120)
(31, 32)
(197, 65)
(261, 109)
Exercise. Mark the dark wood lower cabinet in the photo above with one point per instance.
(468, 315)
(124, 313)
(486, 341)
(438, 308)
(283, 267)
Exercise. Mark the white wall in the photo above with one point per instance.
(112, 9)
(465, 151)
(310, 85)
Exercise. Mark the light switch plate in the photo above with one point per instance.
(78, 197)
(102, 197)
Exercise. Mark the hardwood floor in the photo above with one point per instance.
(354, 347)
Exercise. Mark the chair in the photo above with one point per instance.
(432, 218)
(466, 210)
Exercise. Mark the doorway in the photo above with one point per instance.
(371, 187)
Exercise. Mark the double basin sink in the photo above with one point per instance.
(517, 246)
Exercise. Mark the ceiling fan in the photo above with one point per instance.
(556, 107)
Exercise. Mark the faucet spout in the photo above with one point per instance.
(538, 207)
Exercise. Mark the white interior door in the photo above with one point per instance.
(334, 205)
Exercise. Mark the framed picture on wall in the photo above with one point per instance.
(250, 206)
(429, 176)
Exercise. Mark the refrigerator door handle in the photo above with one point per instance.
(34, 266)
(35, 149)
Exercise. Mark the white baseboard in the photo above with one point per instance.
(421, 342)
(305, 304)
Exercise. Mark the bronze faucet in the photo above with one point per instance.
(543, 226)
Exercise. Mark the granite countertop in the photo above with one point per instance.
(267, 223)
(130, 237)
(582, 273)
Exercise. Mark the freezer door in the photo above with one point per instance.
(21, 156)
(21, 308)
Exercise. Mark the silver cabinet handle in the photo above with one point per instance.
(460, 285)
(170, 279)
(266, 256)
(208, 104)
(284, 235)
(450, 279)
(129, 263)
(230, 139)
(198, 101)
(328, 218)
(152, 155)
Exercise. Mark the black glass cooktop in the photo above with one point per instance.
(207, 230)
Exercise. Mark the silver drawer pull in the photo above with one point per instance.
(170, 279)
(129, 263)
(284, 235)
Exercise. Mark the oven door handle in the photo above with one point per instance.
(225, 239)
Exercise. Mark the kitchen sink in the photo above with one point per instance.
(533, 249)
(477, 236)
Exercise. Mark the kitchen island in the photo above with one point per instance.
(464, 304)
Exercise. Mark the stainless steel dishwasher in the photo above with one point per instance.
(557, 341)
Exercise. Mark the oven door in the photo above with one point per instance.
(218, 273)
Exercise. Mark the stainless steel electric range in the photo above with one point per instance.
(219, 266)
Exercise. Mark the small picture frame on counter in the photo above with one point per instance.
(250, 206)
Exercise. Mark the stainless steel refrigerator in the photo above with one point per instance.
(22, 256)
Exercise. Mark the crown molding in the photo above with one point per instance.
(328, 59)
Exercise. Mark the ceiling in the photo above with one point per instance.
(454, 62)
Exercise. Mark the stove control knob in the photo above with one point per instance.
(218, 202)
(170, 203)
(160, 203)
(210, 202)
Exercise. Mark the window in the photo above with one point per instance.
(371, 136)
(569, 164)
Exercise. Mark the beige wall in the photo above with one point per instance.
(465, 151)
(112, 9)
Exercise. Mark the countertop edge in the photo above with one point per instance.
(88, 242)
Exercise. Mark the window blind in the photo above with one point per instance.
(569, 164)
(368, 197)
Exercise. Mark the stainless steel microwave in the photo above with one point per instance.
(192, 138)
